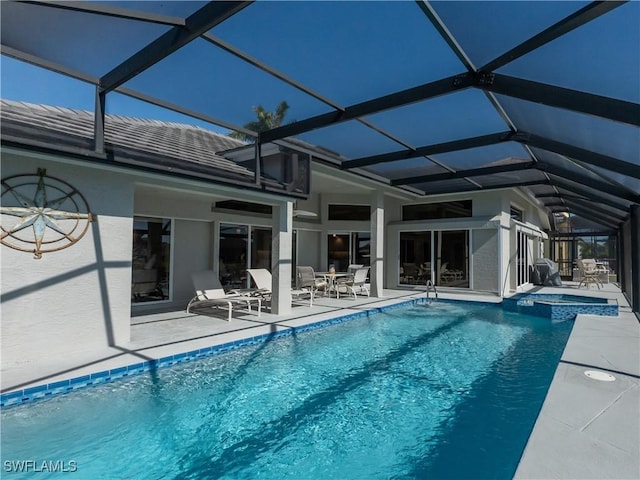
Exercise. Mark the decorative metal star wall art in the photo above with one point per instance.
(41, 214)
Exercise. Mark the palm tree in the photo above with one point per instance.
(265, 121)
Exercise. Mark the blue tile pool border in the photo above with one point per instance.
(39, 392)
(543, 305)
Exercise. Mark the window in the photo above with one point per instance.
(517, 214)
(435, 211)
(244, 206)
(150, 259)
(349, 212)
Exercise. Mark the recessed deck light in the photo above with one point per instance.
(602, 376)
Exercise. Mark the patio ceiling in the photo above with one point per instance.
(432, 97)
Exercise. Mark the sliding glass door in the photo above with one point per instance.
(451, 268)
(242, 247)
(234, 250)
(440, 256)
(345, 249)
(338, 244)
(151, 259)
(261, 248)
(415, 257)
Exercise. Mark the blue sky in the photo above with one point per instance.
(24, 82)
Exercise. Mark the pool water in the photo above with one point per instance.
(563, 298)
(448, 390)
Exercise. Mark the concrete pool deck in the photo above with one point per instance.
(586, 428)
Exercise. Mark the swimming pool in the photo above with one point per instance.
(449, 390)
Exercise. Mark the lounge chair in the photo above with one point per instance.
(209, 293)
(264, 281)
(447, 275)
(356, 284)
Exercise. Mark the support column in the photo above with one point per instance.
(620, 271)
(281, 253)
(504, 256)
(377, 244)
(635, 257)
(98, 121)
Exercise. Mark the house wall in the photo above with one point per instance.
(485, 260)
(192, 252)
(492, 238)
(76, 299)
(308, 248)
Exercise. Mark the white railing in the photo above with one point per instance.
(430, 284)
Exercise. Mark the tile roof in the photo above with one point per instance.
(152, 143)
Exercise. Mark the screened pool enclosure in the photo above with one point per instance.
(429, 97)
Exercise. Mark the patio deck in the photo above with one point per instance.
(586, 428)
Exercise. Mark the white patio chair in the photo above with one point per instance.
(264, 281)
(355, 285)
(306, 279)
(589, 272)
(209, 293)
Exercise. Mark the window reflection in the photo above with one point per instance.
(151, 256)
(234, 241)
(439, 256)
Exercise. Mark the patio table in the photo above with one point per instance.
(332, 280)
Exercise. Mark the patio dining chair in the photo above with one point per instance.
(351, 269)
(409, 272)
(589, 272)
(306, 279)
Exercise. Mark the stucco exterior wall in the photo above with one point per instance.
(76, 299)
(192, 252)
(308, 249)
(485, 260)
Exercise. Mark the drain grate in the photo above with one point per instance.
(602, 376)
